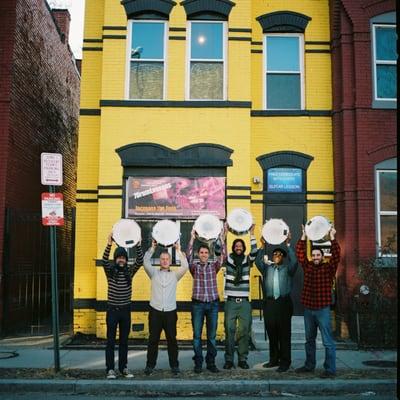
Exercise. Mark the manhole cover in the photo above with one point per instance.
(380, 363)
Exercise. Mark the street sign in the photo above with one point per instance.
(51, 169)
(52, 209)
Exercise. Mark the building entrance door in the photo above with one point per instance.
(294, 216)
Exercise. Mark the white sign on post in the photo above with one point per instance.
(51, 169)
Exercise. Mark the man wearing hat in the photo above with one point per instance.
(119, 278)
(278, 306)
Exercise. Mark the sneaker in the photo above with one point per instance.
(175, 370)
(212, 368)
(327, 375)
(148, 370)
(303, 370)
(126, 373)
(198, 369)
(243, 365)
(111, 374)
(270, 364)
(228, 365)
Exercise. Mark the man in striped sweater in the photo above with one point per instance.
(237, 304)
(119, 278)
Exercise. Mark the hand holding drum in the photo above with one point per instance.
(126, 233)
(240, 221)
(165, 233)
(207, 228)
(275, 231)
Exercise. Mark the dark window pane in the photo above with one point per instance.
(150, 37)
(146, 80)
(206, 41)
(386, 81)
(385, 43)
(388, 191)
(389, 234)
(206, 80)
(283, 91)
(282, 54)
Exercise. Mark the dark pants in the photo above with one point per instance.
(118, 317)
(159, 320)
(209, 311)
(278, 322)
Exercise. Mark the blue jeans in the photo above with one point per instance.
(321, 319)
(210, 312)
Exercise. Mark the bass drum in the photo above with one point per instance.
(165, 233)
(275, 231)
(207, 228)
(239, 221)
(317, 228)
(126, 233)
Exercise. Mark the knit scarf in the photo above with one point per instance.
(238, 262)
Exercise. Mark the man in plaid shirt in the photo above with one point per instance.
(205, 299)
(317, 298)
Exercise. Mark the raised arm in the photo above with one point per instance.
(253, 246)
(335, 250)
(220, 249)
(106, 256)
(301, 249)
(138, 262)
(189, 254)
(148, 267)
(184, 263)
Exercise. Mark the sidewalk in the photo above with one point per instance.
(79, 367)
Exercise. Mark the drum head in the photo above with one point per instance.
(207, 226)
(165, 232)
(317, 227)
(126, 233)
(275, 231)
(239, 221)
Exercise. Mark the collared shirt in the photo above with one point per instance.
(318, 280)
(205, 276)
(163, 282)
(286, 271)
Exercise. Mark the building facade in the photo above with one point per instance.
(233, 98)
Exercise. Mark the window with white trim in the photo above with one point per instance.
(146, 60)
(384, 40)
(386, 207)
(206, 67)
(284, 71)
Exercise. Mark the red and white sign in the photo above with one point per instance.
(52, 209)
(51, 169)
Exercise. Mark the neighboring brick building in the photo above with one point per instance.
(39, 106)
(365, 151)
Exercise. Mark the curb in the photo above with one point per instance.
(196, 387)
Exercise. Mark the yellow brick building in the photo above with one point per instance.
(194, 89)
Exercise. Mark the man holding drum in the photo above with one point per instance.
(119, 278)
(317, 298)
(163, 315)
(278, 307)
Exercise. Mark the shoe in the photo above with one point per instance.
(282, 369)
(175, 370)
(327, 375)
(243, 365)
(198, 369)
(212, 368)
(228, 365)
(148, 371)
(303, 370)
(270, 364)
(111, 374)
(126, 373)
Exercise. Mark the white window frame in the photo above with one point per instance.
(129, 58)
(380, 213)
(301, 71)
(189, 59)
(380, 62)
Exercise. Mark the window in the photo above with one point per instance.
(146, 54)
(284, 76)
(384, 62)
(207, 61)
(386, 206)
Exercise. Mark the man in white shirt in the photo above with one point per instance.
(163, 313)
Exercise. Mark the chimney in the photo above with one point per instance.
(62, 18)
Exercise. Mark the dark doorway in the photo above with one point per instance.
(294, 216)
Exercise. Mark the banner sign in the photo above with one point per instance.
(52, 209)
(285, 180)
(175, 197)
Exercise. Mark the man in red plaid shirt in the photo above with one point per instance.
(317, 298)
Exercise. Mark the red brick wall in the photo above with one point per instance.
(362, 136)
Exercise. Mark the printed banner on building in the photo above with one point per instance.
(175, 197)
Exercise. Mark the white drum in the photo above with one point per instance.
(317, 228)
(126, 233)
(165, 233)
(275, 231)
(207, 227)
(239, 221)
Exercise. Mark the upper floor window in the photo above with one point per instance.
(207, 61)
(146, 54)
(283, 72)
